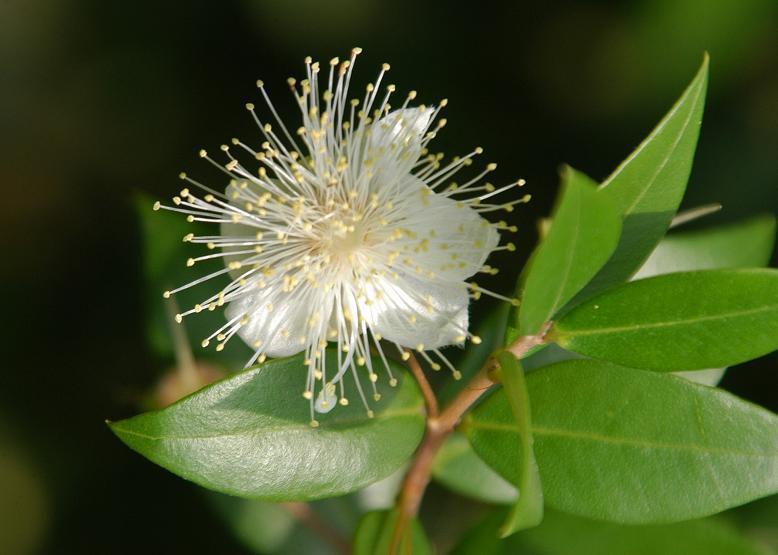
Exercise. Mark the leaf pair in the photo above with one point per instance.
(600, 237)
(746, 243)
(614, 442)
(633, 446)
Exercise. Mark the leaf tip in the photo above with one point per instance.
(702, 73)
(565, 171)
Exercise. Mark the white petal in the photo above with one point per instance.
(410, 311)
(395, 139)
(458, 239)
(275, 318)
(242, 230)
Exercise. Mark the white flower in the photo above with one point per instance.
(349, 233)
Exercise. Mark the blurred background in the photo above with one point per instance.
(103, 102)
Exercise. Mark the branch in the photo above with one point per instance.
(430, 401)
(440, 427)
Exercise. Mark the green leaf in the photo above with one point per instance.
(748, 243)
(375, 536)
(583, 235)
(528, 510)
(632, 446)
(562, 534)
(250, 436)
(649, 185)
(549, 355)
(683, 321)
(457, 467)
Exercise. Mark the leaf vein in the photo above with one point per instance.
(667, 323)
(632, 442)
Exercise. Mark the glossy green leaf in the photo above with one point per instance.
(375, 535)
(748, 243)
(549, 355)
(461, 470)
(249, 435)
(745, 244)
(631, 446)
(528, 510)
(649, 185)
(683, 321)
(563, 534)
(583, 235)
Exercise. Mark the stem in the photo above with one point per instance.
(440, 427)
(430, 401)
(308, 518)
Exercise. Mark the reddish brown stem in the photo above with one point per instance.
(440, 427)
(430, 401)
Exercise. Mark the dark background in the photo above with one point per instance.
(101, 99)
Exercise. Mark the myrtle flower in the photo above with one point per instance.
(350, 233)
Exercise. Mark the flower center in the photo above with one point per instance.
(345, 242)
